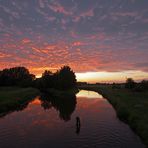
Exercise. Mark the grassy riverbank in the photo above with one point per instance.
(131, 107)
(12, 97)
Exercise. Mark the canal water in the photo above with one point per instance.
(85, 120)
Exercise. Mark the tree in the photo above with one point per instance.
(143, 85)
(16, 76)
(66, 78)
(20, 76)
(130, 84)
(47, 79)
(47, 73)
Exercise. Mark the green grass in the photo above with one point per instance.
(13, 97)
(130, 106)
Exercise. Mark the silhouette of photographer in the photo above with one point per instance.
(78, 125)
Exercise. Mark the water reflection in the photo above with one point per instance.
(65, 105)
(89, 94)
(7, 109)
(93, 124)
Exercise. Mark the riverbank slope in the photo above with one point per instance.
(13, 97)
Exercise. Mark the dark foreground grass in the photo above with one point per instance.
(61, 93)
(130, 106)
(12, 97)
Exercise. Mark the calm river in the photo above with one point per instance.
(46, 122)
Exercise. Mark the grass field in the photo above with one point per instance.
(130, 106)
(13, 97)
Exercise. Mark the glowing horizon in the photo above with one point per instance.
(109, 77)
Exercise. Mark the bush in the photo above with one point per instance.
(130, 84)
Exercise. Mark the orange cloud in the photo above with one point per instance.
(78, 43)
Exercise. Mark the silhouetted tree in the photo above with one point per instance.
(65, 78)
(47, 79)
(130, 84)
(19, 76)
(37, 83)
(47, 73)
(116, 86)
(142, 86)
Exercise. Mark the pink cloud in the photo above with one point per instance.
(84, 14)
(58, 8)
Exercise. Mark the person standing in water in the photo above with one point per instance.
(78, 125)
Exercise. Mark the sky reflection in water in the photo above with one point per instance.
(45, 122)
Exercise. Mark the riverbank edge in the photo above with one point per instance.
(122, 115)
(60, 93)
(13, 97)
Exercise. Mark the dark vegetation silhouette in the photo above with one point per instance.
(65, 105)
(16, 76)
(143, 85)
(130, 83)
(116, 86)
(63, 79)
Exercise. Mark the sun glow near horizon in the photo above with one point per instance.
(93, 77)
(108, 77)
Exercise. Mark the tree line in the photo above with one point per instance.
(132, 85)
(141, 86)
(62, 79)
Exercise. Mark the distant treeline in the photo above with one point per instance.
(141, 86)
(128, 84)
(132, 85)
(20, 76)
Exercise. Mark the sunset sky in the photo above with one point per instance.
(101, 40)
